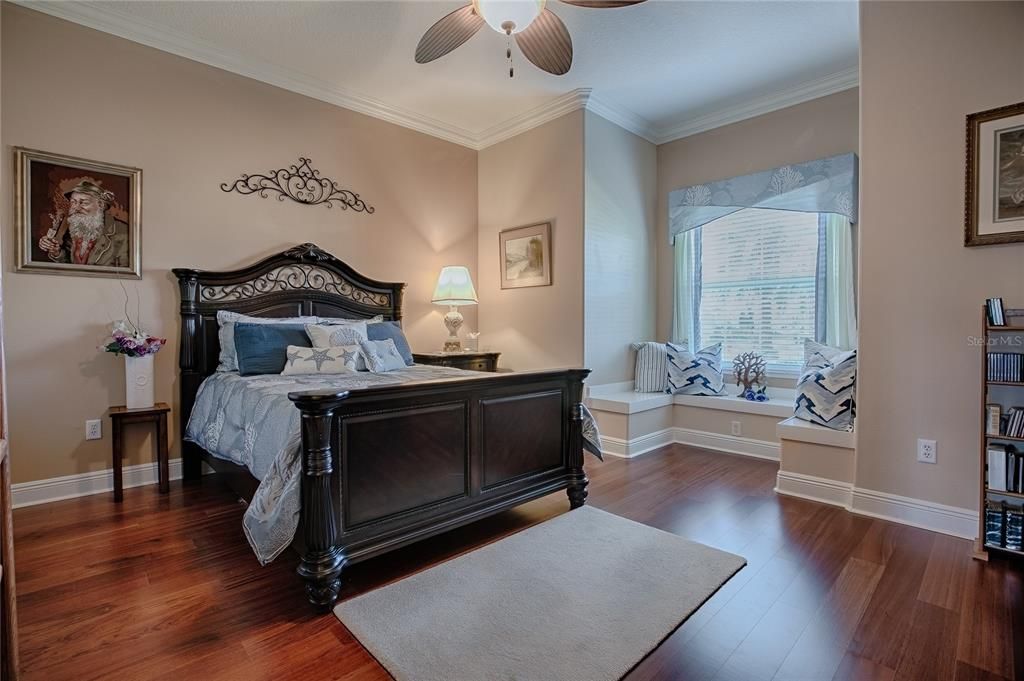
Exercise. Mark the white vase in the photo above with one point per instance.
(138, 382)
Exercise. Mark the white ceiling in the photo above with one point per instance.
(663, 68)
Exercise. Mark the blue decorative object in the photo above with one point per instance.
(760, 395)
(828, 185)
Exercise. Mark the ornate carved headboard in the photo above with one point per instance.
(303, 280)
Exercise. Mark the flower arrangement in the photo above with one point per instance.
(127, 339)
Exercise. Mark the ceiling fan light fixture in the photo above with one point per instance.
(509, 16)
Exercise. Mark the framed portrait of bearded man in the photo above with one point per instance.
(76, 216)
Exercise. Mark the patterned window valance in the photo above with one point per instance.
(828, 185)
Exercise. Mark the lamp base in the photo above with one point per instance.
(452, 322)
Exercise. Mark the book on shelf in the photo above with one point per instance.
(993, 413)
(994, 308)
(1004, 525)
(1005, 469)
(1006, 367)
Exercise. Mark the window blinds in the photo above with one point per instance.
(758, 274)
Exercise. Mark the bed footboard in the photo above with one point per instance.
(384, 467)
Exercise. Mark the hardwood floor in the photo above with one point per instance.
(165, 587)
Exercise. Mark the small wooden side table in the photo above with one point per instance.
(121, 417)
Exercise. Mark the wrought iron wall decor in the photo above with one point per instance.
(300, 183)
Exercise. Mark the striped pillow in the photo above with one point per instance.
(826, 391)
(651, 367)
(698, 373)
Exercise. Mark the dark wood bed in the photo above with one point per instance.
(385, 466)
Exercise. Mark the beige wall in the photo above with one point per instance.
(816, 129)
(534, 177)
(821, 461)
(75, 91)
(752, 426)
(619, 239)
(924, 66)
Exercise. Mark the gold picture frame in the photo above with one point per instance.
(525, 256)
(77, 217)
(994, 191)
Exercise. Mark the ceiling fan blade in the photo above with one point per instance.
(547, 44)
(447, 34)
(602, 4)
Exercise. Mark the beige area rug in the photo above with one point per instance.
(581, 597)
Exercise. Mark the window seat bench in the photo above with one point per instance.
(814, 462)
(633, 423)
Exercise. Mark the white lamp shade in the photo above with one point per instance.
(454, 287)
(520, 13)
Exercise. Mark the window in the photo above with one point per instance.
(751, 282)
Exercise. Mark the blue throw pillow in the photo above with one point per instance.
(826, 393)
(263, 348)
(698, 373)
(384, 330)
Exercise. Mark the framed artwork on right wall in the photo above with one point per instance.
(994, 193)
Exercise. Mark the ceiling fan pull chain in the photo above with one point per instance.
(508, 54)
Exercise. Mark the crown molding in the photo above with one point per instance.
(804, 92)
(625, 119)
(118, 23)
(115, 22)
(574, 100)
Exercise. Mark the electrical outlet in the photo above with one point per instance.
(737, 428)
(926, 451)
(93, 429)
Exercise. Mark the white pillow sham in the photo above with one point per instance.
(340, 359)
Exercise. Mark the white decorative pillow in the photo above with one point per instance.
(651, 367)
(697, 373)
(226, 333)
(826, 393)
(337, 333)
(382, 356)
(340, 359)
(812, 348)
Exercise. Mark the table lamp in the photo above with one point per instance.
(454, 288)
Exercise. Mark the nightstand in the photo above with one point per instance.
(472, 361)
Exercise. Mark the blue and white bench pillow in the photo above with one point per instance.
(651, 374)
(826, 391)
(697, 373)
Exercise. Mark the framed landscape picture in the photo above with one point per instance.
(994, 209)
(76, 216)
(526, 256)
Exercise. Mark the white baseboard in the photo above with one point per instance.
(614, 446)
(83, 484)
(816, 489)
(731, 444)
(928, 515)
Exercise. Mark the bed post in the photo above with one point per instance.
(322, 557)
(189, 364)
(578, 481)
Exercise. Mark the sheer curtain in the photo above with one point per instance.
(686, 288)
(837, 303)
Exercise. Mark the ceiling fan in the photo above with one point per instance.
(539, 33)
